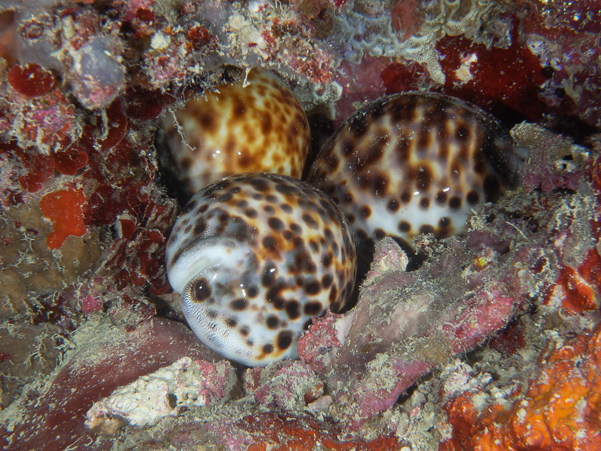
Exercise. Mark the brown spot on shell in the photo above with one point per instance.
(276, 224)
(310, 221)
(313, 308)
(199, 228)
(404, 226)
(426, 228)
(473, 197)
(272, 322)
(347, 147)
(239, 304)
(268, 276)
(284, 339)
(462, 132)
(455, 202)
(293, 309)
(270, 243)
(333, 294)
(312, 287)
(424, 178)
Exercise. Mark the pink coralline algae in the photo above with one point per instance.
(553, 161)
(314, 346)
(276, 390)
(564, 36)
(36, 99)
(281, 432)
(405, 324)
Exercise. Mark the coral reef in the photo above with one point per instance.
(484, 341)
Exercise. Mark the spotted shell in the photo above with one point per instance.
(414, 163)
(253, 124)
(256, 256)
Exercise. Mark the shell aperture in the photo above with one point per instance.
(254, 124)
(255, 257)
(414, 163)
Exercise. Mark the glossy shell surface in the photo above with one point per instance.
(254, 124)
(413, 163)
(256, 256)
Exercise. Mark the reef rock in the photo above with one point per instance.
(408, 323)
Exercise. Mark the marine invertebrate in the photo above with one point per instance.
(36, 99)
(255, 257)
(253, 125)
(413, 163)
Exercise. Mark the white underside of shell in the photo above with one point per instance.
(206, 253)
(219, 338)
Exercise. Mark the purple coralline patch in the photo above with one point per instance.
(553, 161)
(287, 386)
(314, 346)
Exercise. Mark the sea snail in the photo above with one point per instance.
(414, 163)
(253, 124)
(256, 256)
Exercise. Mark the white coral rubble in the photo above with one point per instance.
(186, 383)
